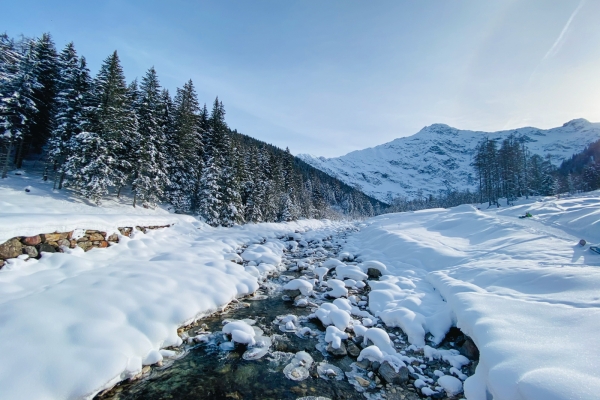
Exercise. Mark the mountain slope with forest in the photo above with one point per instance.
(438, 158)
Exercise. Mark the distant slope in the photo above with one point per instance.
(439, 156)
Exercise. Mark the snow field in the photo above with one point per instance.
(523, 290)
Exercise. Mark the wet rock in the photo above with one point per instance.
(389, 374)
(469, 350)
(292, 294)
(48, 248)
(11, 249)
(31, 251)
(341, 352)
(31, 240)
(353, 349)
(374, 273)
(375, 365)
(364, 363)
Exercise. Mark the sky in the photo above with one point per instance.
(330, 77)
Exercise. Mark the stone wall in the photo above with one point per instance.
(33, 246)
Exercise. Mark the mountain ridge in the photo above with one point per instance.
(438, 158)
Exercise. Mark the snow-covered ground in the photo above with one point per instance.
(527, 294)
(522, 289)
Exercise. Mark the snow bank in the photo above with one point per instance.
(522, 289)
(88, 320)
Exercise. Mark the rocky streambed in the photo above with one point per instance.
(307, 333)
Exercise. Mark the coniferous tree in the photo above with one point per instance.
(149, 165)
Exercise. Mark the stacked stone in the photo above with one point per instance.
(33, 246)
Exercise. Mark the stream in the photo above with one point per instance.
(293, 361)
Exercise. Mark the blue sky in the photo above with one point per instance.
(329, 77)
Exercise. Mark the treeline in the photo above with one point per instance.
(508, 170)
(444, 199)
(582, 171)
(100, 136)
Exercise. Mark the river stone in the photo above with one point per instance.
(11, 249)
(32, 240)
(353, 349)
(373, 273)
(292, 294)
(387, 372)
(469, 350)
(64, 242)
(47, 248)
(341, 352)
(31, 251)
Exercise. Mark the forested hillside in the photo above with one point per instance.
(99, 136)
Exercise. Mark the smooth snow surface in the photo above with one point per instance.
(522, 289)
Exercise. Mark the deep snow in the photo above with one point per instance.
(523, 290)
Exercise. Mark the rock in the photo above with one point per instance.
(374, 273)
(11, 249)
(353, 349)
(103, 244)
(54, 237)
(96, 237)
(31, 251)
(1, 264)
(375, 365)
(113, 238)
(125, 231)
(292, 294)
(582, 242)
(469, 350)
(64, 242)
(341, 352)
(362, 381)
(389, 374)
(48, 248)
(72, 243)
(85, 245)
(31, 240)
(364, 363)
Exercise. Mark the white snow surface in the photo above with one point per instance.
(77, 322)
(439, 156)
(522, 289)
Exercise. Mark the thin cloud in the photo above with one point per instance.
(559, 41)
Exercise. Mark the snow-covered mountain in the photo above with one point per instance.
(439, 156)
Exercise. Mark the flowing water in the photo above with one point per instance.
(212, 369)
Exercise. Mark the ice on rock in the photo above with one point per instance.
(152, 357)
(233, 257)
(297, 369)
(340, 318)
(460, 375)
(304, 286)
(374, 265)
(332, 263)
(360, 330)
(452, 356)
(240, 331)
(360, 285)
(453, 386)
(339, 289)
(335, 336)
(350, 283)
(329, 371)
(427, 391)
(367, 322)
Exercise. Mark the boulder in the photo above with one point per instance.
(31, 251)
(469, 350)
(374, 273)
(31, 240)
(389, 374)
(97, 236)
(11, 248)
(54, 237)
(341, 352)
(353, 349)
(85, 245)
(47, 248)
